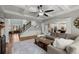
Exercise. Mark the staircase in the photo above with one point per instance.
(25, 27)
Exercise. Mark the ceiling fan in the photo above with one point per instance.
(41, 12)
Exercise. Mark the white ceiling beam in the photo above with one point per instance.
(64, 7)
(2, 12)
(74, 12)
(20, 6)
(15, 15)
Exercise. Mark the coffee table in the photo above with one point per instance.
(43, 42)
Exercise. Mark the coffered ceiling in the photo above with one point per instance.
(29, 12)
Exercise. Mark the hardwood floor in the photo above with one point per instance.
(8, 48)
(9, 45)
(33, 49)
(27, 47)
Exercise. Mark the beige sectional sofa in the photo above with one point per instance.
(53, 50)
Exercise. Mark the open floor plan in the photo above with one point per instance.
(39, 29)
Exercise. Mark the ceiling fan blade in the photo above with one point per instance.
(37, 15)
(34, 12)
(46, 15)
(49, 10)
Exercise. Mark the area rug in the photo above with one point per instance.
(27, 47)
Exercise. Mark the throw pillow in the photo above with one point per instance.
(62, 43)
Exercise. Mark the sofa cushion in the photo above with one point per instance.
(65, 35)
(71, 36)
(77, 39)
(61, 35)
(73, 48)
(62, 43)
(53, 50)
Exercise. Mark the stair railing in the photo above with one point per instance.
(25, 27)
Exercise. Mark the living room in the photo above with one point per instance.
(39, 29)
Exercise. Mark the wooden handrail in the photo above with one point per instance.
(25, 27)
